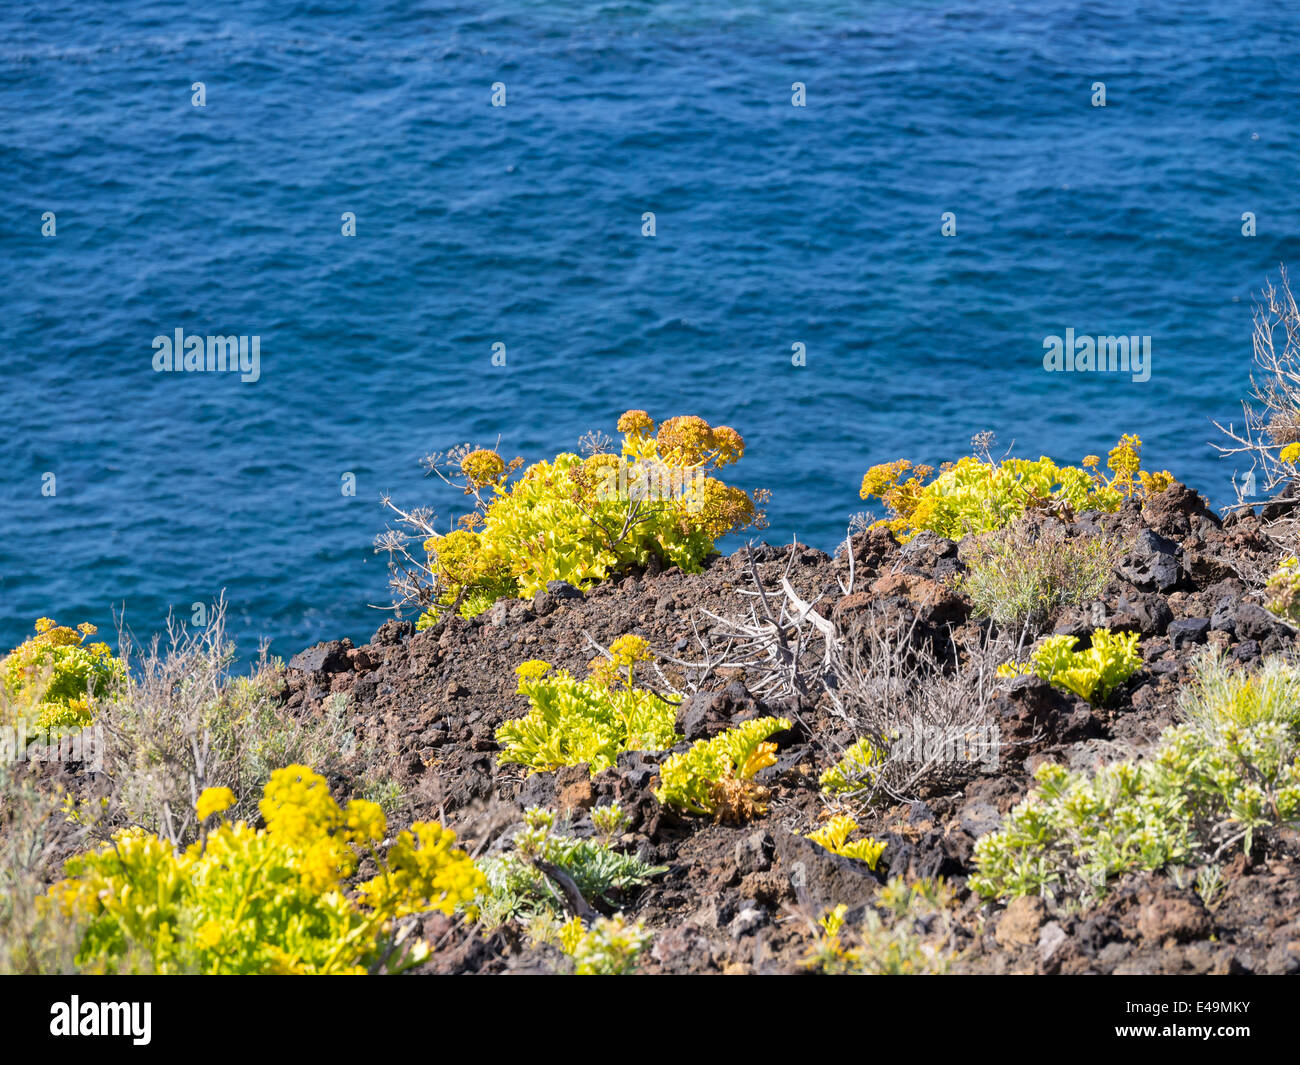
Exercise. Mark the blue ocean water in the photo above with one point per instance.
(776, 225)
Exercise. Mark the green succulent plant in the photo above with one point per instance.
(715, 777)
(1093, 673)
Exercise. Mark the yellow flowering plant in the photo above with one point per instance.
(594, 720)
(904, 931)
(609, 947)
(53, 679)
(975, 495)
(579, 520)
(214, 801)
(268, 900)
(605, 946)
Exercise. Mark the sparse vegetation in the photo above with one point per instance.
(609, 947)
(918, 711)
(35, 836)
(1231, 769)
(1022, 576)
(903, 932)
(161, 858)
(181, 723)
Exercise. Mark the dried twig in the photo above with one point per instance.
(1272, 420)
(573, 899)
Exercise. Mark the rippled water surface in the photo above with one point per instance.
(776, 225)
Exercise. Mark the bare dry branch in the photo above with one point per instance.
(1272, 413)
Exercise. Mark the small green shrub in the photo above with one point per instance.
(271, 900)
(53, 681)
(715, 777)
(834, 836)
(1232, 768)
(1079, 830)
(1239, 751)
(1021, 581)
(977, 496)
(1091, 674)
(1220, 696)
(1242, 778)
(580, 519)
(608, 948)
(594, 721)
(517, 890)
(1209, 885)
(608, 820)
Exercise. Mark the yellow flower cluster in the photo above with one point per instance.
(1125, 462)
(214, 801)
(882, 477)
(690, 441)
(722, 508)
(54, 679)
(579, 520)
(272, 900)
(974, 496)
(423, 871)
(624, 654)
(636, 423)
(483, 467)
